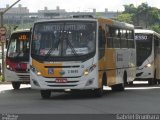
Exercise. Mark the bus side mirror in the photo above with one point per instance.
(31, 29)
(7, 41)
(102, 39)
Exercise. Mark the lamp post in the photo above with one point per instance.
(2, 43)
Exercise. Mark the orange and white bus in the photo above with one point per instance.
(148, 56)
(17, 58)
(81, 53)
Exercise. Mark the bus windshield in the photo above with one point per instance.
(144, 47)
(65, 39)
(18, 48)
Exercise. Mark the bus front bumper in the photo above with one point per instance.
(79, 83)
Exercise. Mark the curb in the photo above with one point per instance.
(1, 83)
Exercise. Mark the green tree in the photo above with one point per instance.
(155, 27)
(154, 14)
(130, 9)
(125, 17)
(143, 15)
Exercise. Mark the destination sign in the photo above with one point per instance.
(55, 27)
(23, 37)
(141, 37)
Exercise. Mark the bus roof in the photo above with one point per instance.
(146, 31)
(103, 20)
(113, 23)
(66, 19)
(21, 30)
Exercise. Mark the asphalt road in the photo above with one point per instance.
(140, 98)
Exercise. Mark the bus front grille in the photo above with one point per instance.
(24, 77)
(66, 82)
(75, 66)
(61, 85)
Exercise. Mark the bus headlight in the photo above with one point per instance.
(89, 70)
(7, 66)
(86, 72)
(38, 73)
(35, 70)
(149, 65)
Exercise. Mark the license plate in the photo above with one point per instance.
(61, 80)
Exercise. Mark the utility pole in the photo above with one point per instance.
(2, 43)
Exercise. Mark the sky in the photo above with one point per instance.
(79, 5)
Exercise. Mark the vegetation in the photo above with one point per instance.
(1, 78)
(11, 28)
(143, 15)
(125, 17)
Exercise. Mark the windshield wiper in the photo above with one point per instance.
(51, 50)
(18, 54)
(55, 46)
(71, 46)
(60, 42)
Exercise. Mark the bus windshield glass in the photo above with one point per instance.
(18, 48)
(144, 47)
(64, 39)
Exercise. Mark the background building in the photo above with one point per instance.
(21, 15)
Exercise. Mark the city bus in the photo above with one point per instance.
(148, 56)
(81, 53)
(17, 58)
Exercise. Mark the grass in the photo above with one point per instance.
(1, 78)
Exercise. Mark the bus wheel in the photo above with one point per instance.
(120, 87)
(45, 94)
(99, 92)
(16, 85)
(152, 81)
(131, 83)
(155, 81)
(158, 81)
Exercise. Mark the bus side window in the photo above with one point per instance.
(124, 40)
(117, 37)
(101, 40)
(156, 46)
(131, 42)
(110, 37)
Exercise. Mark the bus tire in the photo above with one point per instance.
(120, 87)
(125, 78)
(45, 94)
(99, 92)
(150, 81)
(16, 85)
(154, 79)
(131, 83)
(114, 88)
(158, 81)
